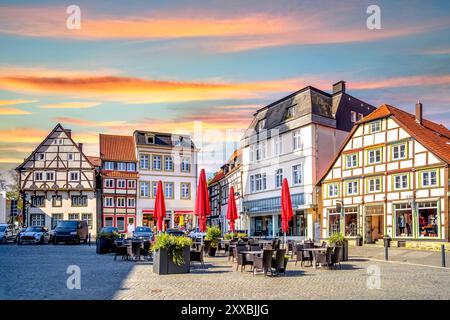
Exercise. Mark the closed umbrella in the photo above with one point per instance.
(160, 206)
(286, 208)
(202, 206)
(231, 209)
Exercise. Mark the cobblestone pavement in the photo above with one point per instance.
(39, 272)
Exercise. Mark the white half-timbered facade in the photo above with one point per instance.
(390, 177)
(57, 182)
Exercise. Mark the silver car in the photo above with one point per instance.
(35, 235)
(8, 233)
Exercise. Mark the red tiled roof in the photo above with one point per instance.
(435, 137)
(95, 161)
(119, 174)
(117, 148)
(217, 177)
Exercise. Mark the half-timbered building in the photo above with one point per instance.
(57, 182)
(390, 178)
(119, 179)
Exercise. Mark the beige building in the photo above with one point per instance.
(57, 182)
(390, 177)
(173, 160)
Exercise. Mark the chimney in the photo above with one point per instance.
(419, 112)
(69, 133)
(339, 87)
(80, 146)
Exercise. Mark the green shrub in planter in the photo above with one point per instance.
(174, 246)
(213, 234)
(337, 239)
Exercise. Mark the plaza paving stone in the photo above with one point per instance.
(39, 272)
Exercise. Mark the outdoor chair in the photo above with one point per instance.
(278, 261)
(146, 249)
(136, 250)
(243, 260)
(301, 255)
(263, 262)
(324, 244)
(238, 249)
(255, 247)
(122, 251)
(337, 257)
(324, 258)
(196, 255)
(207, 244)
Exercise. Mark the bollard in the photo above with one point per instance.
(89, 236)
(442, 256)
(386, 256)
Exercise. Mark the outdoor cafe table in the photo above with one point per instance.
(312, 250)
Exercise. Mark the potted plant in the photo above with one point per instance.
(105, 242)
(213, 234)
(172, 254)
(338, 240)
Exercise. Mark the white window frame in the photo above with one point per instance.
(278, 178)
(354, 160)
(144, 161)
(429, 179)
(185, 164)
(107, 204)
(297, 140)
(277, 146)
(36, 176)
(109, 185)
(353, 189)
(53, 175)
(131, 184)
(399, 151)
(157, 156)
(146, 189)
(374, 153)
(77, 174)
(121, 166)
(131, 166)
(121, 184)
(297, 171)
(109, 165)
(168, 165)
(121, 202)
(401, 181)
(71, 156)
(372, 183)
(185, 190)
(333, 190)
(353, 116)
(167, 194)
(375, 126)
(131, 202)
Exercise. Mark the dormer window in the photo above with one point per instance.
(290, 112)
(375, 126)
(40, 156)
(353, 116)
(261, 124)
(150, 139)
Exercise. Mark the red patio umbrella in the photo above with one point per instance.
(231, 209)
(160, 206)
(286, 208)
(202, 206)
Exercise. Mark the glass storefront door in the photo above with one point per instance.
(428, 219)
(262, 226)
(403, 219)
(297, 225)
(373, 223)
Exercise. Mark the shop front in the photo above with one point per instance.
(183, 219)
(345, 221)
(373, 223)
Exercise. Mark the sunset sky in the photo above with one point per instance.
(163, 65)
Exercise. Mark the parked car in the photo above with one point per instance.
(109, 230)
(144, 233)
(175, 232)
(71, 231)
(196, 234)
(35, 234)
(8, 232)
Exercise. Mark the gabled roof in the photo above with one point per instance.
(217, 177)
(435, 137)
(117, 148)
(96, 161)
(68, 134)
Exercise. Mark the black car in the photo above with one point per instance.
(175, 232)
(71, 231)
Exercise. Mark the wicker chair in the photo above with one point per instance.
(121, 251)
(263, 263)
(278, 261)
(196, 255)
(324, 258)
(301, 255)
(243, 260)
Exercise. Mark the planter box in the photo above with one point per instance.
(163, 264)
(212, 251)
(104, 246)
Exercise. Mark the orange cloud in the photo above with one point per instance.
(12, 111)
(22, 135)
(70, 105)
(220, 32)
(10, 160)
(399, 82)
(14, 102)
